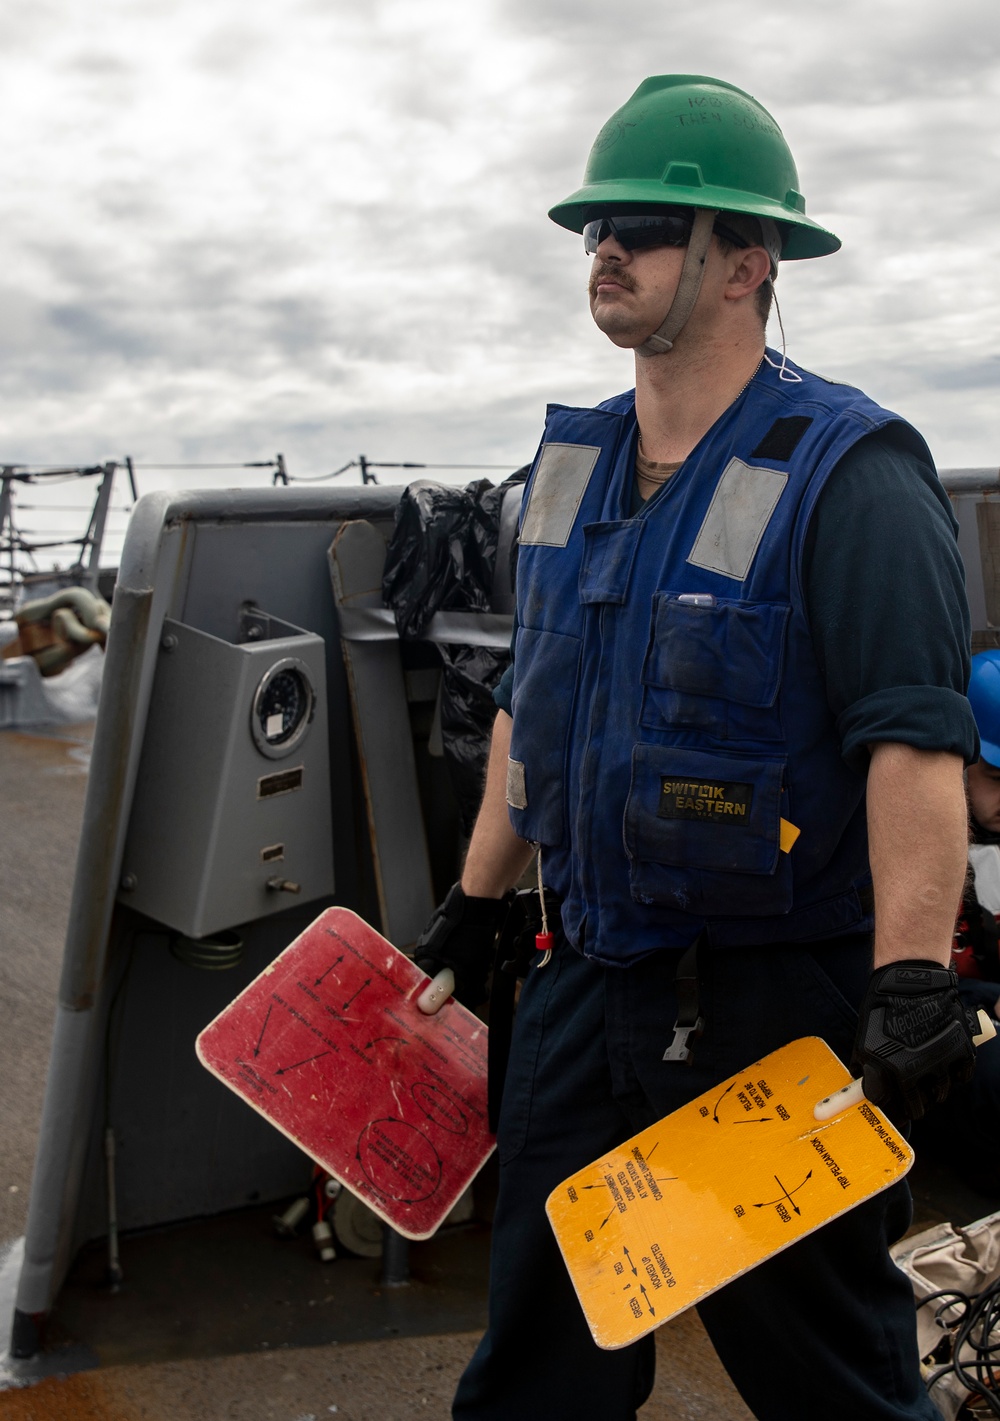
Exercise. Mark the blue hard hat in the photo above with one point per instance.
(984, 698)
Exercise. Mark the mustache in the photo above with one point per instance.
(616, 273)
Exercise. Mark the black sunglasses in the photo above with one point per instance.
(661, 229)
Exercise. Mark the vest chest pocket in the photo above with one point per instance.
(702, 832)
(715, 669)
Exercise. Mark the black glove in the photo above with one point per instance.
(914, 1039)
(462, 935)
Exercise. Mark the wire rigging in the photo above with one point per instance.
(15, 541)
(365, 465)
(247, 464)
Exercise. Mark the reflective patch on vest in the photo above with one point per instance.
(737, 517)
(557, 491)
(708, 801)
(517, 794)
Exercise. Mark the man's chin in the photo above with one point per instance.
(618, 329)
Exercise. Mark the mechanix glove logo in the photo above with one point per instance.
(908, 977)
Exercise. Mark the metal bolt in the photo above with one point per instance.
(169, 642)
(283, 885)
(129, 883)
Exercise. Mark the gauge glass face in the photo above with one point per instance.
(282, 706)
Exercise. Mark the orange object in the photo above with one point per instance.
(722, 1184)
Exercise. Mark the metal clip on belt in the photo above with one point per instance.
(689, 1021)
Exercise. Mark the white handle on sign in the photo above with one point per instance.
(437, 992)
(853, 1093)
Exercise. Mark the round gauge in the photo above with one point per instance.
(283, 706)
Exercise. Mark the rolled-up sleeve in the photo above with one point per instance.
(885, 596)
(503, 691)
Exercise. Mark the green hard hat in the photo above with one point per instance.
(691, 141)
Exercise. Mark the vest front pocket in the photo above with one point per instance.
(609, 551)
(703, 830)
(715, 668)
(547, 666)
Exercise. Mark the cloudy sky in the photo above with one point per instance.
(233, 227)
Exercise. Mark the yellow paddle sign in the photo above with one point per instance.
(722, 1184)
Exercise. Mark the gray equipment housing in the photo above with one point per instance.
(218, 808)
(215, 590)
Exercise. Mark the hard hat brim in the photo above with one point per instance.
(802, 237)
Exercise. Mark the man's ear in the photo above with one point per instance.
(751, 270)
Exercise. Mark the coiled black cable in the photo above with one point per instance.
(976, 1328)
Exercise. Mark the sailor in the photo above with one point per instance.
(735, 726)
(964, 1132)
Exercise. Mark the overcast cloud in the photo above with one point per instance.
(232, 227)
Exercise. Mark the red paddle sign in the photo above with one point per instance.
(329, 1045)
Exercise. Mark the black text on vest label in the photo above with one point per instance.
(710, 801)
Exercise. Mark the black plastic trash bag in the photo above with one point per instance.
(442, 558)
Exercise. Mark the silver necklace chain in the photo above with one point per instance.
(647, 477)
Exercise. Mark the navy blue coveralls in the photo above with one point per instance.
(669, 713)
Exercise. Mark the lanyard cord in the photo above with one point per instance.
(544, 939)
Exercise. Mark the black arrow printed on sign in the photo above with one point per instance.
(785, 1194)
(715, 1112)
(323, 975)
(645, 1299)
(283, 1070)
(613, 1208)
(356, 994)
(630, 1263)
(260, 1038)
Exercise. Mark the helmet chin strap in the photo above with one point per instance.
(687, 287)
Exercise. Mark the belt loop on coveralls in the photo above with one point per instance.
(689, 1021)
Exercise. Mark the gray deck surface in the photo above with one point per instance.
(219, 1319)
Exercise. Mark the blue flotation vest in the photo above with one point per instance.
(671, 730)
